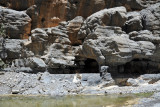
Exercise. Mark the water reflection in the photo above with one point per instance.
(69, 101)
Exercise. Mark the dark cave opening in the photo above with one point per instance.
(43, 20)
(91, 66)
(135, 68)
(82, 66)
(141, 66)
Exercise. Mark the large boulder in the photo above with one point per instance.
(73, 28)
(31, 64)
(84, 8)
(114, 47)
(17, 23)
(107, 17)
(14, 48)
(60, 56)
(151, 18)
(44, 37)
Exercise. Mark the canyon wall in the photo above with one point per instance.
(69, 34)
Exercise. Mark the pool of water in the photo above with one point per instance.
(71, 101)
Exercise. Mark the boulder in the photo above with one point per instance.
(151, 18)
(31, 64)
(60, 56)
(84, 8)
(134, 22)
(17, 23)
(42, 38)
(114, 47)
(14, 48)
(73, 28)
(36, 64)
(107, 17)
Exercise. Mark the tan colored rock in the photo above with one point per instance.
(18, 4)
(73, 28)
(17, 23)
(47, 13)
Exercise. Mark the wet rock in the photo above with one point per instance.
(17, 24)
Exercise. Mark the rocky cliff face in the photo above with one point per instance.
(49, 13)
(72, 35)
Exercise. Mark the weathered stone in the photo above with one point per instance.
(18, 5)
(144, 35)
(134, 22)
(32, 64)
(14, 48)
(17, 24)
(1, 64)
(59, 56)
(151, 18)
(107, 17)
(37, 64)
(73, 28)
(114, 47)
(49, 13)
(42, 38)
(84, 8)
(135, 82)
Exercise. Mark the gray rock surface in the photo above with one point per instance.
(134, 22)
(14, 48)
(151, 19)
(17, 24)
(153, 101)
(91, 36)
(107, 17)
(114, 48)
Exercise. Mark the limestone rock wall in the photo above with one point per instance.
(48, 13)
(63, 34)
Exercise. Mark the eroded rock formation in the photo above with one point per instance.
(70, 34)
